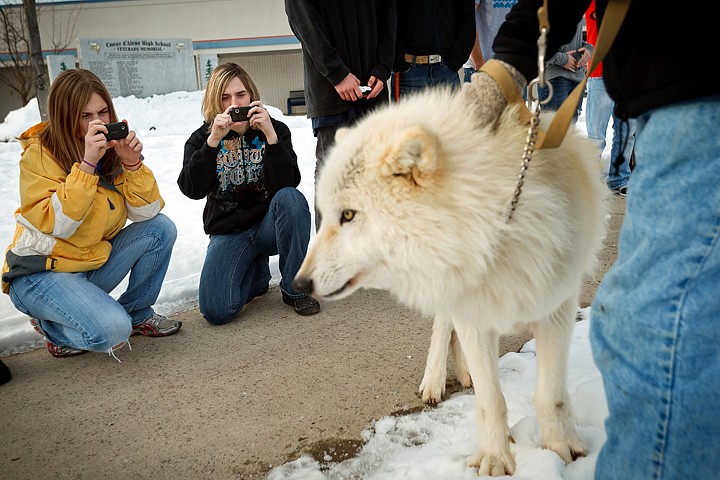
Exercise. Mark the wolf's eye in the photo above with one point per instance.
(347, 216)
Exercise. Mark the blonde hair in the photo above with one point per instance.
(218, 82)
(63, 136)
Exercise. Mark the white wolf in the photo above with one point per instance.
(413, 201)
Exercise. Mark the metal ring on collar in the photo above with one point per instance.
(532, 96)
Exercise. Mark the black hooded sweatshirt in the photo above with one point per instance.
(339, 37)
(239, 177)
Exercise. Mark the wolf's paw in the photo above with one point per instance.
(495, 465)
(568, 450)
(432, 388)
(464, 378)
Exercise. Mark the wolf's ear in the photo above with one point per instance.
(414, 156)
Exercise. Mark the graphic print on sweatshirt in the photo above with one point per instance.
(240, 165)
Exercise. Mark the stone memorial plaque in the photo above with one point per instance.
(140, 66)
(57, 64)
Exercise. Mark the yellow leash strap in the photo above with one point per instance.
(506, 83)
(612, 20)
(614, 15)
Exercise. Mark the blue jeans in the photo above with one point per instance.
(599, 108)
(655, 328)
(419, 77)
(561, 89)
(76, 310)
(237, 266)
(467, 74)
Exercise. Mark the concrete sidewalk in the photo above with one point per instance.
(225, 402)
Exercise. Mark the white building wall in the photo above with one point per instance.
(252, 33)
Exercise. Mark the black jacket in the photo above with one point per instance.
(239, 177)
(435, 27)
(339, 37)
(659, 56)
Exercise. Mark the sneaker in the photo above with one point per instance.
(622, 191)
(156, 326)
(306, 305)
(63, 351)
(36, 325)
(117, 347)
(56, 351)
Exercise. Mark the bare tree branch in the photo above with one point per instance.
(24, 70)
(14, 43)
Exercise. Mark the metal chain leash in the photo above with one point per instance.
(526, 157)
(532, 134)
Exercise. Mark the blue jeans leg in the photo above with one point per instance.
(419, 77)
(561, 89)
(598, 110)
(142, 249)
(621, 152)
(233, 273)
(285, 231)
(467, 74)
(236, 265)
(75, 309)
(654, 329)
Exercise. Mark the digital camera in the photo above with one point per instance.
(240, 114)
(116, 131)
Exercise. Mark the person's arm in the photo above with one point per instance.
(142, 194)
(387, 31)
(476, 55)
(465, 34)
(199, 169)
(280, 164)
(52, 202)
(138, 184)
(307, 25)
(516, 41)
(515, 47)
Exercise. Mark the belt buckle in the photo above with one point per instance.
(434, 59)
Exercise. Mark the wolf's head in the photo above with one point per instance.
(370, 186)
(391, 201)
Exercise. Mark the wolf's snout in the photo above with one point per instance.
(303, 284)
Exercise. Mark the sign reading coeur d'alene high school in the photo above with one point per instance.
(140, 66)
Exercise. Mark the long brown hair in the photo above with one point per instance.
(63, 135)
(218, 82)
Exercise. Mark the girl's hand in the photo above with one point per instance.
(260, 119)
(95, 142)
(128, 148)
(220, 127)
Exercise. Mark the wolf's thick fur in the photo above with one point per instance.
(413, 201)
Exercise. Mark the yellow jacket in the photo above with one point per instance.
(65, 221)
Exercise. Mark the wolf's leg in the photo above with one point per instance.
(432, 386)
(494, 456)
(461, 369)
(552, 402)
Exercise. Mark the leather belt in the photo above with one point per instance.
(423, 59)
